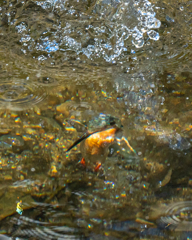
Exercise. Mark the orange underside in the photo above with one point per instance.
(99, 140)
(96, 144)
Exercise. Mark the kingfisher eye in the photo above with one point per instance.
(112, 123)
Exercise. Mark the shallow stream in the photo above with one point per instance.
(63, 65)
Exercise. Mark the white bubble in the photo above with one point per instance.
(153, 35)
(137, 34)
(138, 43)
(152, 22)
(181, 8)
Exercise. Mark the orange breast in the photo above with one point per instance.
(98, 142)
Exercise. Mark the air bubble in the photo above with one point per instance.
(181, 8)
(153, 35)
(107, 39)
(152, 22)
(138, 43)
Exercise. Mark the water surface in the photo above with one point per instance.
(63, 64)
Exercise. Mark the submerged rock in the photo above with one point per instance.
(13, 143)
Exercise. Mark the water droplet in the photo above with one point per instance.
(22, 27)
(132, 51)
(152, 22)
(181, 8)
(169, 19)
(97, 40)
(138, 43)
(153, 35)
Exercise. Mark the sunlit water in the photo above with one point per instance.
(64, 67)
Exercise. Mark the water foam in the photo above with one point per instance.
(105, 30)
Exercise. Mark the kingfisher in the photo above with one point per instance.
(94, 145)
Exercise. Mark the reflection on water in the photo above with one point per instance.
(177, 216)
(18, 95)
(43, 231)
(66, 67)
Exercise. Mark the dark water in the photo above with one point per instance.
(64, 64)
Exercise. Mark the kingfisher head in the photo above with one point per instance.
(104, 120)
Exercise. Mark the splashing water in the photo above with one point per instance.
(104, 30)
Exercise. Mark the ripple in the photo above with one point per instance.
(42, 230)
(178, 216)
(20, 95)
(47, 81)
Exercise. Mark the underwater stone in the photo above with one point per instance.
(8, 141)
